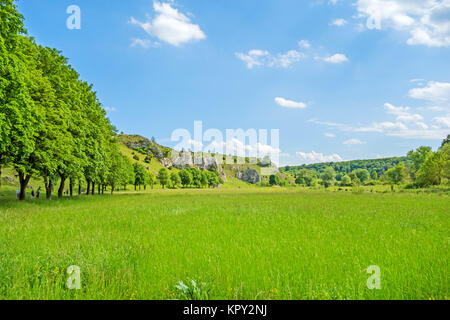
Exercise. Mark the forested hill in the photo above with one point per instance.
(378, 165)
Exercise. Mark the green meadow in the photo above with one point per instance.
(259, 243)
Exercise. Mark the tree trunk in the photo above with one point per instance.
(112, 189)
(93, 188)
(61, 186)
(79, 188)
(98, 188)
(135, 187)
(23, 179)
(0, 175)
(71, 187)
(48, 188)
(88, 187)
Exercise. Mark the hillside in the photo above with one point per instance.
(378, 165)
(154, 156)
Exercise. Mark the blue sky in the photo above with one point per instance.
(340, 79)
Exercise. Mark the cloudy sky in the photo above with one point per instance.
(340, 79)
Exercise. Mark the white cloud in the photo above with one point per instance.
(170, 25)
(304, 44)
(353, 142)
(407, 125)
(265, 58)
(253, 58)
(144, 43)
(330, 135)
(427, 21)
(314, 157)
(336, 59)
(404, 116)
(443, 122)
(339, 22)
(438, 92)
(290, 104)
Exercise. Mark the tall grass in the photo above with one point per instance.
(234, 244)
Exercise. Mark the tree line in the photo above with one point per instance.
(344, 168)
(187, 178)
(52, 124)
(422, 168)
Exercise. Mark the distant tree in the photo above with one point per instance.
(148, 159)
(151, 179)
(435, 168)
(362, 174)
(196, 177)
(139, 175)
(354, 178)
(274, 180)
(175, 179)
(374, 175)
(306, 177)
(205, 180)
(418, 158)
(213, 179)
(186, 178)
(328, 177)
(163, 177)
(396, 175)
(346, 181)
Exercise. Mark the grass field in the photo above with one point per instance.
(242, 244)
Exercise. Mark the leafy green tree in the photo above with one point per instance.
(374, 175)
(274, 180)
(346, 181)
(117, 171)
(435, 168)
(14, 96)
(328, 177)
(354, 178)
(196, 177)
(186, 178)
(213, 179)
(418, 158)
(397, 175)
(306, 177)
(175, 179)
(362, 174)
(30, 136)
(139, 175)
(151, 179)
(205, 180)
(163, 177)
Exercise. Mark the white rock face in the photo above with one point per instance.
(182, 160)
(251, 176)
(186, 159)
